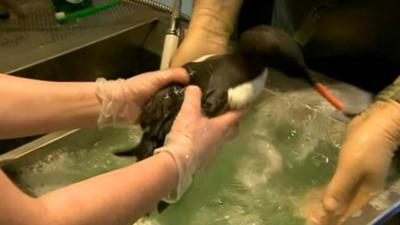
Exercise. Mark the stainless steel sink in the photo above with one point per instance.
(100, 58)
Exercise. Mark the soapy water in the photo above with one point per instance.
(284, 150)
(71, 161)
(287, 148)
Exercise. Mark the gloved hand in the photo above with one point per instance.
(194, 139)
(209, 31)
(364, 161)
(122, 100)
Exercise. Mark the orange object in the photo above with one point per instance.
(328, 95)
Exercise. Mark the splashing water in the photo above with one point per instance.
(71, 160)
(284, 150)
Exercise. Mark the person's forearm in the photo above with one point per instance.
(209, 30)
(387, 106)
(220, 14)
(31, 107)
(119, 197)
(214, 17)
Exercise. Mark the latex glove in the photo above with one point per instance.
(209, 31)
(122, 100)
(364, 161)
(194, 139)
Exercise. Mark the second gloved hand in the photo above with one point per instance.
(364, 161)
(210, 28)
(122, 100)
(194, 139)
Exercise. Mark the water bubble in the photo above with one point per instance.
(96, 144)
(220, 201)
(320, 159)
(292, 134)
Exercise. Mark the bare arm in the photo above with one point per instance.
(215, 16)
(31, 107)
(118, 197)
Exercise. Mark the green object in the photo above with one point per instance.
(63, 17)
(68, 6)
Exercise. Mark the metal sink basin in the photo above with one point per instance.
(100, 58)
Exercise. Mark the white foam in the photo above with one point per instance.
(147, 221)
(381, 202)
(395, 187)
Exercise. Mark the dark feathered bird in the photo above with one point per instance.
(228, 81)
